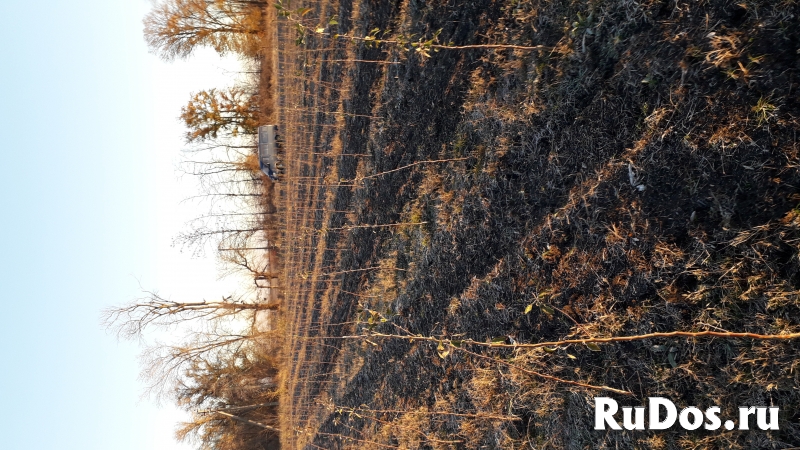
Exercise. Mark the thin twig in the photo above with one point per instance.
(248, 421)
(638, 337)
(410, 165)
(447, 413)
(497, 46)
(350, 227)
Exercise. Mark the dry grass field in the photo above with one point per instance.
(635, 172)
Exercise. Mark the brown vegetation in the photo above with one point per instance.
(224, 371)
(628, 170)
(491, 211)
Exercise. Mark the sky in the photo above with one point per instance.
(90, 203)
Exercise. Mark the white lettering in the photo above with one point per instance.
(744, 414)
(662, 414)
(693, 424)
(638, 423)
(672, 413)
(713, 419)
(604, 410)
(761, 418)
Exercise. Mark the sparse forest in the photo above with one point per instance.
(492, 212)
(225, 373)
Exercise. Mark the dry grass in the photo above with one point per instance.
(639, 177)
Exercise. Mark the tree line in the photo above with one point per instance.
(177, 28)
(224, 372)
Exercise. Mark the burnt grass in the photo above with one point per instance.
(638, 173)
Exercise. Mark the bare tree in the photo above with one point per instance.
(257, 265)
(155, 311)
(228, 327)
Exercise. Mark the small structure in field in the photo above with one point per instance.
(268, 151)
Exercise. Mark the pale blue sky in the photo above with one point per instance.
(89, 203)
